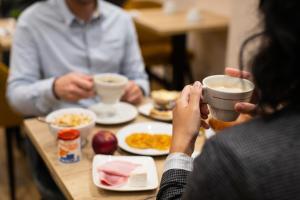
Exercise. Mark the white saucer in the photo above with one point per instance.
(124, 113)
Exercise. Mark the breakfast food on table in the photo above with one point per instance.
(164, 99)
(117, 173)
(104, 142)
(80, 119)
(149, 141)
(164, 102)
(161, 114)
(72, 120)
(138, 177)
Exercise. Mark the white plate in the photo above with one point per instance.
(147, 162)
(148, 127)
(146, 109)
(125, 113)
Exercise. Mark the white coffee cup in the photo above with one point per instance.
(193, 15)
(222, 92)
(110, 87)
(170, 7)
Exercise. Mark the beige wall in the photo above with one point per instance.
(209, 53)
(222, 7)
(244, 22)
(210, 48)
(218, 50)
(214, 51)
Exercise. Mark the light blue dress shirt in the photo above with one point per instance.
(50, 41)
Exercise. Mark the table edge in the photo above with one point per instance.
(48, 164)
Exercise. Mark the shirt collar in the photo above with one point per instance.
(69, 17)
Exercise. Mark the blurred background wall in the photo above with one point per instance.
(216, 51)
(210, 48)
(244, 22)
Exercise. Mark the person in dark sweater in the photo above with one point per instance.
(259, 159)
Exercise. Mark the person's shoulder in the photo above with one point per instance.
(261, 128)
(113, 11)
(238, 136)
(250, 128)
(37, 11)
(238, 147)
(259, 139)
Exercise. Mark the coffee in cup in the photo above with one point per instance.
(222, 92)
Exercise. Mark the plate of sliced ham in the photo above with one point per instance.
(124, 173)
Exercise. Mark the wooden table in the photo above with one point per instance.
(176, 26)
(75, 180)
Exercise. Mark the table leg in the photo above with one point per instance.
(179, 60)
(5, 57)
(10, 132)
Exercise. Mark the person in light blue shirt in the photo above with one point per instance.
(60, 44)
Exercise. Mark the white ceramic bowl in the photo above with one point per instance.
(84, 130)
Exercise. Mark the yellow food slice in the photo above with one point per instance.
(149, 141)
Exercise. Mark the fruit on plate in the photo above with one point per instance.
(104, 142)
(159, 141)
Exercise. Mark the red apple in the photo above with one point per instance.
(104, 142)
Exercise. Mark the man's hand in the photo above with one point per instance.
(187, 117)
(244, 108)
(133, 93)
(74, 87)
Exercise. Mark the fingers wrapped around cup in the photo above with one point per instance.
(223, 92)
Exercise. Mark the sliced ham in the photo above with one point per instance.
(118, 167)
(116, 173)
(112, 180)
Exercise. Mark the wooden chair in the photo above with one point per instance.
(11, 122)
(156, 50)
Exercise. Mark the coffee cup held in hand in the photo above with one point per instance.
(222, 92)
(110, 87)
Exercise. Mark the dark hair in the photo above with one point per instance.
(276, 65)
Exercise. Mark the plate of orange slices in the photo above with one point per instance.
(149, 138)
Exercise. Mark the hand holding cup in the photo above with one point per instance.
(187, 119)
(243, 107)
(73, 87)
(110, 88)
(223, 92)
